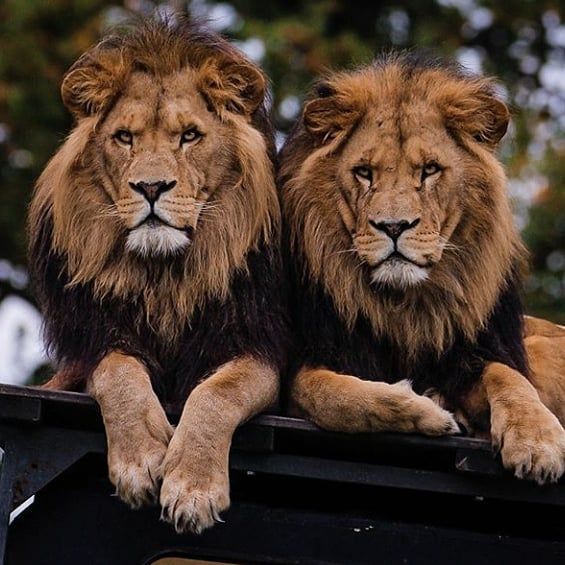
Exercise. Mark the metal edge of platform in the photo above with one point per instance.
(28, 400)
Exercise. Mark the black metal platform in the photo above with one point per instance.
(299, 495)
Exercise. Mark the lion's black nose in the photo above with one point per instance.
(394, 229)
(152, 190)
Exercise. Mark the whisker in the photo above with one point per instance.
(448, 246)
(340, 252)
(107, 211)
(211, 209)
(209, 214)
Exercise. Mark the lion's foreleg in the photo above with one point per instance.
(546, 357)
(137, 429)
(348, 404)
(530, 438)
(196, 482)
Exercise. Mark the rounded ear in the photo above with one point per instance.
(495, 122)
(320, 117)
(330, 115)
(479, 114)
(91, 83)
(235, 86)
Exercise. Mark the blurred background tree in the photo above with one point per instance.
(520, 41)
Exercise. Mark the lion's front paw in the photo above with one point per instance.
(430, 419)
(531, 441)
(422, 415)
(135, 459)
(136, 476)
(192, 500)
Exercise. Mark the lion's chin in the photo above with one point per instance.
(151, 241)
(400, 274)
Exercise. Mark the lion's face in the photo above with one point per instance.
(164, 154)
(395, 202)
(166, 182)
(401, 175)
(402, 158)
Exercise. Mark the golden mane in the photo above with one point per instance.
(485, 249)
(88, 239)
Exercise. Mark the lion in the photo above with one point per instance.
(406, 264)
(154, 248)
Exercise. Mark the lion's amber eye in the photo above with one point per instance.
(189, 136)
(363, 174)
(124, 136)
(430, 169)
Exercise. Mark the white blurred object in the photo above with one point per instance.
(253, 47)
(471, 58)
(21, 346)
(289, 107)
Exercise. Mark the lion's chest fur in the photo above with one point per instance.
(179, 350)
(325, 339)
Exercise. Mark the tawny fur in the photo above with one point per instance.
(463, 287)
(345, 403)
(196, 485)
(529, 436)
(358, 161)
(137, 429)
(76, 186)
(158, 296)
(545, 346)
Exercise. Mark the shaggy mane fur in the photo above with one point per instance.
(473, 272)
(344, 322)
(77, 254)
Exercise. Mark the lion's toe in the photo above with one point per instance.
(532, 446)
(137, 476)
(193, 505)
(431, 419)
(542, 463)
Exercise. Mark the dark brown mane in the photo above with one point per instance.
(462, 299)
(343, 322)
(94, 294)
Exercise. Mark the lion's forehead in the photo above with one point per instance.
(172, 102)
(400, 113)
(388, 138)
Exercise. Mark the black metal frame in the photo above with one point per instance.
(299, 495)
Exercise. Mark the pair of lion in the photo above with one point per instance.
(155, 246)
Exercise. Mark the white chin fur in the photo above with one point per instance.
(162, 240)
(399, 274)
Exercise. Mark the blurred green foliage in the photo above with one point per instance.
(520, 41)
